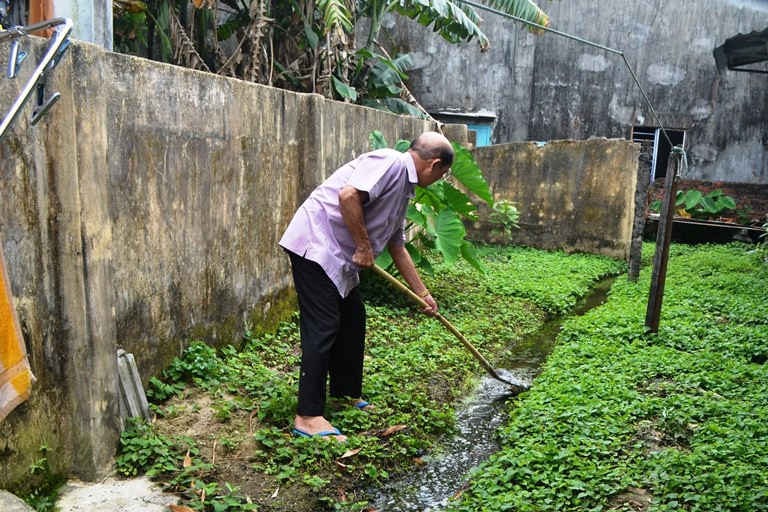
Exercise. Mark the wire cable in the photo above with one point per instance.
(581, 40)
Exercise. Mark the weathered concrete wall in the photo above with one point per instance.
(547, 87)
(572, 195)
(143, 210)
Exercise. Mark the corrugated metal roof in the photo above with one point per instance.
(743, 50)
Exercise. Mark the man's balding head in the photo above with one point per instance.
(433, 156)
(431, 145)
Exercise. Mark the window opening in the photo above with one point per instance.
(656, 148)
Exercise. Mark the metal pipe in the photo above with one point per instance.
(581, 40)
(13, 57)
(58, 39)
(21, 31)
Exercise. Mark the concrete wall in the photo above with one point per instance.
(572, 195)
(145, 209)
(548, 87)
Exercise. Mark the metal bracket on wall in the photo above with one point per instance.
(57, 45)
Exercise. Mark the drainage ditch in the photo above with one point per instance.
(429, 488)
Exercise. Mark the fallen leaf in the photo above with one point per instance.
(393, 430)
(187, 460)
(179, 508)
(341, 465)
(274, 494)
(350, 453)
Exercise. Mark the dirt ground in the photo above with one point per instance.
(195, 418)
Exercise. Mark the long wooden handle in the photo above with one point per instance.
(407, 291)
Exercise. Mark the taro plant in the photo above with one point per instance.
(437, 212)
(693, 203)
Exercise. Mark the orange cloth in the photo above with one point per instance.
(15, 374)
(41, 10)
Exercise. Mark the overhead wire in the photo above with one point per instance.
(545, 28)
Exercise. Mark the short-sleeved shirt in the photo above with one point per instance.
(318, 232)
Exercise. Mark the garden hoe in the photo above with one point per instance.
(516, 388)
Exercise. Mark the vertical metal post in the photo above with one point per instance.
(638, 224)
(663, 238)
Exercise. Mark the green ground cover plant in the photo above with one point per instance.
(624, 420)
(221, 437)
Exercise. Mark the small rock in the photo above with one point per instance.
(10, 503)
(114, 495)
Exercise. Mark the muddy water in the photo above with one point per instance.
(479, 417)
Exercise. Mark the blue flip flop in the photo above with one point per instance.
(325, 433)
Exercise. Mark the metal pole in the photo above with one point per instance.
(57, 40)
(663, 239)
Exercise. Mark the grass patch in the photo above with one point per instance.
(222, 434)
(623, 420)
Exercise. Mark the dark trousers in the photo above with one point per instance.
(332, 338)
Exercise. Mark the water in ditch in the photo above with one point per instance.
(479, 417)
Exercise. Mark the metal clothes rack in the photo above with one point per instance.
(57, 45)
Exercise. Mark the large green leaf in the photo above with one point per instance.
(449, 233)
(454, 22)
(344, 90)
(376, 140)
(466, 172)
(419, 258)
(457, 200)
(430, 196)
(725, 203)
(707, 204)
(524, 9)
(384, 260)
(691, 198)
(336, 15)
(469, 253)
(312, 38)
(380, 75)
(402, 145)
(415, 216)
(395, 105)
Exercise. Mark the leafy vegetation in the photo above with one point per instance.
(302, 46)
(224, 433)
(762, 246)
(692, 203)
(44, 482)
(504, 216)
(624, 420)
(438, 211)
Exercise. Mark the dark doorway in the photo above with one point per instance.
(655, 143)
